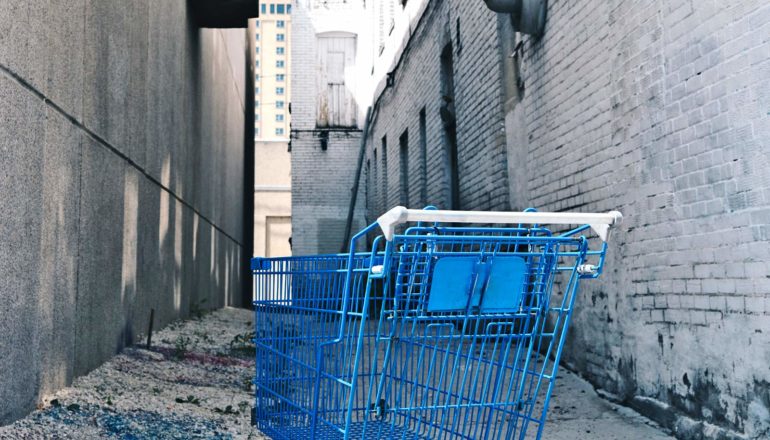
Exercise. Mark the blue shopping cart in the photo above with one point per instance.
(440, 331)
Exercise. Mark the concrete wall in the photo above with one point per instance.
(121, 181)
(322, 179)
(272, 199)
(658, 109)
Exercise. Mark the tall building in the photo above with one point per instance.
(272, 173)
(272, 67)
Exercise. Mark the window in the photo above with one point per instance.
(280, 24)
(256, 116)
(257, 36)
(288, 9)
(279, 90)
(451, 170)
(256, 77)
(281, 8)
(384, 171)
(279, 64)
(256, 63)
(423, 160)
(280, 77)
(256, 50)
(403, 158)
(256, 103)
(256, 90)
(280, 37)
(256, 129)
(279, 117)
(279, 104)
(256, 23)
(279, 131)
(279, 50)
(376, 178)
(264, 8)
(272, 8)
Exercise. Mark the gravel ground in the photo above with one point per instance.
(195, 383)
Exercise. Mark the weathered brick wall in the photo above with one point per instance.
(478, 102)
(658, 109)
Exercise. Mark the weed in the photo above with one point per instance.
(190, 399)
(228, 410)
(181, 346)
(242, 344)
(197, 309)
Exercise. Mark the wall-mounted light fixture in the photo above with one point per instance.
(527, 16)
(324, 135)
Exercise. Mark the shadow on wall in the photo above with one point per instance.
(109, 204)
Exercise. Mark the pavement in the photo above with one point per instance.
(577, 412)
(195, 383)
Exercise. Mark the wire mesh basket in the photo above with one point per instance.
(438, 332)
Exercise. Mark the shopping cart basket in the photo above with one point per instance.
(440, 331)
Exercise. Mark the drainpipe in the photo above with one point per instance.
(527, 16)
(354, 191)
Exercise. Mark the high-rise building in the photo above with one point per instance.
(272, 66)
(272, 91)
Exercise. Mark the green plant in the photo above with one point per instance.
(181, 346)
(197, 309)
(190, 399)
(228, 410)
(242, 344)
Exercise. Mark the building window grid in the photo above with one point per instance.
(279, 64)
(280, 50)
(279, 117)
(280, 37)
(280, 77)
(279, 90)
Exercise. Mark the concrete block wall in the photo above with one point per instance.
(121, 181)
(658, 109)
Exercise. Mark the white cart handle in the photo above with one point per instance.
(600, 223)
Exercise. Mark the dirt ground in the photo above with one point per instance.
(196, 383)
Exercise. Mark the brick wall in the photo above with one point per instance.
(321, 179)
(658, 109)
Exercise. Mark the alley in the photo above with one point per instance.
(195, 382)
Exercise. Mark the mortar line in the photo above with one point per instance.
(109, 147)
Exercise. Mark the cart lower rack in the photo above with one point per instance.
(438, 332)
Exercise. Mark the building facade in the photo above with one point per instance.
(123, 161)
(658, 110)
(327, 119)
(272, 119)
(272, 64)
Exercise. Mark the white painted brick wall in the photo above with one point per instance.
(321, 180)
(659, 109)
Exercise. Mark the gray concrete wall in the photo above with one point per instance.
(121, 181)
(658, 109)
